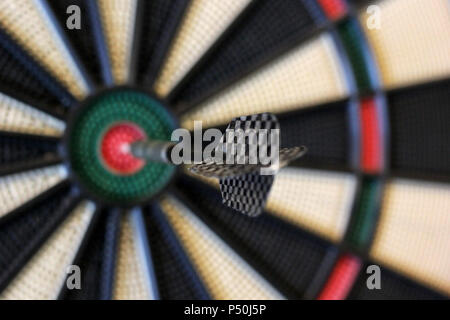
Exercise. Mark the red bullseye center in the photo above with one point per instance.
(115, 148)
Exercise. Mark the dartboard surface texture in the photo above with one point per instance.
(364, 85)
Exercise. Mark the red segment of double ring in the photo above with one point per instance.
(115, 148)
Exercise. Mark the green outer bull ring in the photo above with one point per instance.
(87, 124)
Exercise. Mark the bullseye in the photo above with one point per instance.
(99, 138)
(115, 148)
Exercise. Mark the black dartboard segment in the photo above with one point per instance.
(159, 21)
(175, 275)
(97, 259)
(24, 79)
(24, 233)
(21, 148)
(324, 130)
(420, 118)
(82, 39)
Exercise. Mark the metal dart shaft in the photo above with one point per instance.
(152, 150)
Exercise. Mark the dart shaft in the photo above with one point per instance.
(152, 150)
(158, 151)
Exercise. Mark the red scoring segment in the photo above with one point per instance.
(371, 151)
(334, 9)
(115, 148)
(341, 279)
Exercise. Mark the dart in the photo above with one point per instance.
(244, 184)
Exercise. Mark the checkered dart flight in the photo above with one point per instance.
(245, 160)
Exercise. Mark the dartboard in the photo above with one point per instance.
(364, 85)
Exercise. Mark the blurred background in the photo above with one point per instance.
(364, 85)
